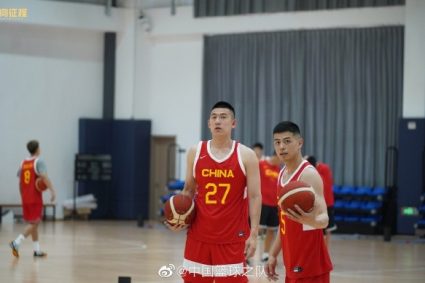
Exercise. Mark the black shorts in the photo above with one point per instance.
(269, 217)
(331, 224)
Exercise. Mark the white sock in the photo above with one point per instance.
(36, 246)
(19, 239)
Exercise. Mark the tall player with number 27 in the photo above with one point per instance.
(224, 180)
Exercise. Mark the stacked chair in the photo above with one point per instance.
(359, 209)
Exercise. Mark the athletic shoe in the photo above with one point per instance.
(39, 254)
(14, 248)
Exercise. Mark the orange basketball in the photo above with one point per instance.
(299, 193)
(40, 185)
(179, 209)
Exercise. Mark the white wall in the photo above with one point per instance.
(51, 74)
(414, 60)
(49, 78)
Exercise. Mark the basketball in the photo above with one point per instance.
(40, 185)
(179, 209)
(299, 193)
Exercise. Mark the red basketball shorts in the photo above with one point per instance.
(204, 262)
(32, 212)
(323, 278)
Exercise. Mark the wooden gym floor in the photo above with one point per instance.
(101, 251)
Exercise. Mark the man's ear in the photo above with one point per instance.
(301, 142)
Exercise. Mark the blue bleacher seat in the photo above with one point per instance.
(367, 219)
(378, 191)
(363, 191)
(371, 205)
(347, 190)
(339, 218)
(353, 205)
(336, 189)
(372, 220)
(376, 204)
(351, 219)
(339, 204)
(175, 185)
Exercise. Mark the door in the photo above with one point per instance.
(162, 163)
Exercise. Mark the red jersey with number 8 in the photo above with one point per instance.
(27, 178)
(221, 199)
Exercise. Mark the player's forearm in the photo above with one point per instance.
(188, 192)
(254, 213)
(322, 219)
(276, 247)
(49, 183)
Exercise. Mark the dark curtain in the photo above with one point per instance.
(343, 87)
(207, 8)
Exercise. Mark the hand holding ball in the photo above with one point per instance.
(179, 210)
(296, 192)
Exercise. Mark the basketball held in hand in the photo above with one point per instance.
(296, 192)
(179, 210)
(40, 185)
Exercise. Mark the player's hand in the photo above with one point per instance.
(300, 216)
(175, 228)
(270, 269)
(250, 246)
(52, 196)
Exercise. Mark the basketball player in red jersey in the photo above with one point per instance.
(269, 171)
(305, 255)
(223, 177)
(326, 173)
(32, 200)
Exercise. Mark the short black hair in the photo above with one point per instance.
(258, 144)
(312, 160)
(287, 126)
(32, 146)
(224, 104)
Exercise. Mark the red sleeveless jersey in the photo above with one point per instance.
(221, 198)
(304, 251)
(268, 175)
(28, 175)
(326, 174)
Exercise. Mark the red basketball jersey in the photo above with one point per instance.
(221, 198)
(304, 250)
(326, 174)
(28, 175)
(268, 175)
